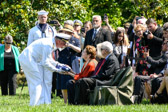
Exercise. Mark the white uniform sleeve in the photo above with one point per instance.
(55, 31)
(48, 61)
(30, 38)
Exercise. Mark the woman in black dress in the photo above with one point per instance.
(9, 66)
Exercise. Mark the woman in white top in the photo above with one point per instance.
(120, 46)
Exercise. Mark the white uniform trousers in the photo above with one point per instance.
(39, 82)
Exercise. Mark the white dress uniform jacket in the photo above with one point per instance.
(38, 65)
(36, 33)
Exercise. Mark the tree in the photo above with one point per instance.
(16, 19)
(18, 16)
(157, 9)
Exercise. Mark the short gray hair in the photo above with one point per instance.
(8, 38)
(96, 16)
(98, 53)
(108, 46)
(69, 22)
(165, 26)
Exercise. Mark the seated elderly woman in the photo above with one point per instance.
(88, 54)
(9, 66)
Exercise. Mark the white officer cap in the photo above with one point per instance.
(42, 12)
(78, 22)
(63, 37)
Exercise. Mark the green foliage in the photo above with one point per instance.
(16, 19)
(18, 16)
(63, 9)
(157, 9)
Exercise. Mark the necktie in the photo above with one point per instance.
(94, 34)
(98, 67)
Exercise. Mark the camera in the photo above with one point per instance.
(137, 18)
(146, 33)
(105, 16)
(53, 22)
(83, 30)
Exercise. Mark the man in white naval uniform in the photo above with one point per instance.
(37, 63)
(42, 29)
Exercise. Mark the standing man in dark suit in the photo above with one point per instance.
(103, 72)
(97, 34)
(154, 40)
(154, 37)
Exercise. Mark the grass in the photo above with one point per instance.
(21, 104)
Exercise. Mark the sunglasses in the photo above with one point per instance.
(164, 43)
(8, 43)
(165, 29)
(102, 49)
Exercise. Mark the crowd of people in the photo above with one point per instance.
(90, 52)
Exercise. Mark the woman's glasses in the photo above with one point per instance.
(8, 42)
(102, 49)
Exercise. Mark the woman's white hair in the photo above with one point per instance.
(8, 38)
(107, 45)
(98, 47)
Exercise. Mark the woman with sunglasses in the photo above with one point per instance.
(9, 66)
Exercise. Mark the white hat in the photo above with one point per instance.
(42, 12)
(63, 37)
(78, 22)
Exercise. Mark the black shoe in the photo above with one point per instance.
(152, 100)
(154, 97)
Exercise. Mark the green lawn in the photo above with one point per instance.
(16, 104)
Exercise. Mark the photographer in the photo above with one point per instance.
(154, 36)
(107, 23)
(109, 27)
(137, 20)
(56, 25)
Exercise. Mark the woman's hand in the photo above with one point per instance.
(76, 35)
(153, 75)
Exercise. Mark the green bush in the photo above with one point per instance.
(18, 16)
